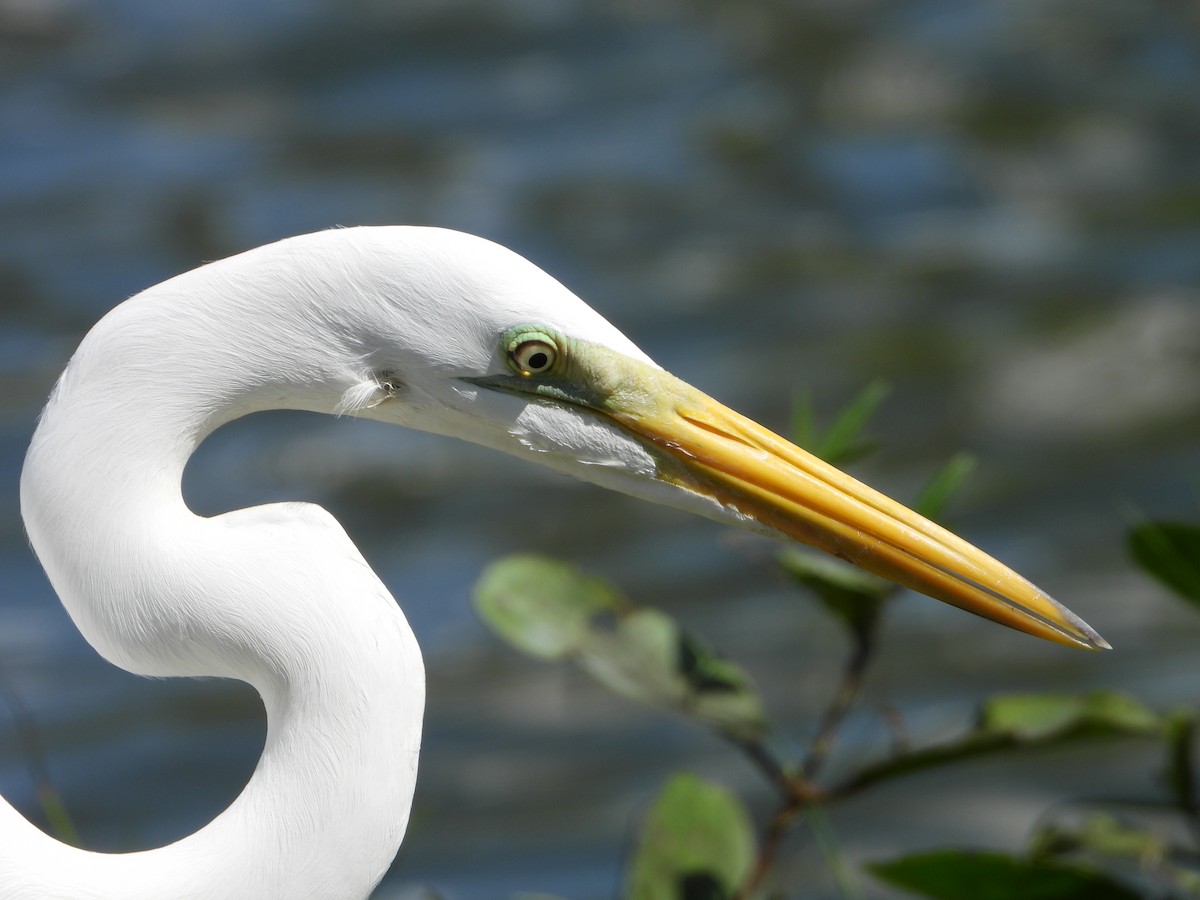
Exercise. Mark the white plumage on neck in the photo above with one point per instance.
(386, 322)
(277, 596)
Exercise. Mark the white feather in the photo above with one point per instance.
(373, 321)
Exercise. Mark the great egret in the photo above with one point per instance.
(422, 327)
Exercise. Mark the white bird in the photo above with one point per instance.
(422, 327)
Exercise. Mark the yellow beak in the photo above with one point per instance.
(743, 465)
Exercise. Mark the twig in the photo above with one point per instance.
(798, 794)
(766, 762)
(798, 788)
(781, 823)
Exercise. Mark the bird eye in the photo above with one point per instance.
(534, 356)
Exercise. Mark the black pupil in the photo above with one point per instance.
(537, 360)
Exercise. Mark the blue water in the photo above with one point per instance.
(992, 205)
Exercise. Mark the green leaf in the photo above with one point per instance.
(958, 874)
(1112, 839)
(647, 657)
(842, 441)
(1102, 834)
(852, 596)
(638, 658)
(541, 606)
(550, 610)
(945, 483)
(1170, 552)
(1037, 717)
(696, 843)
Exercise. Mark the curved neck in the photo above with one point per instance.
(277, 596)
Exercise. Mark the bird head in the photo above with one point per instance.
(476, 342)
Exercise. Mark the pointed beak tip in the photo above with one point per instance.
(794, 494)
(1082, 634)
(1099, 643)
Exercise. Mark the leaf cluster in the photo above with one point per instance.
(697, 841)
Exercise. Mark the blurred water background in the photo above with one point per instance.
(993, 205)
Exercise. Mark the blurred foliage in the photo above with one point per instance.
(1039, 717)
(542, 607)
(696, 842)
(843, 441)
(1170, 552)
(954, 875)
(552, 611)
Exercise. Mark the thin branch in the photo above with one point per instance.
(797, 794)
(777, 830)
(798, 788)
(767, 763)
